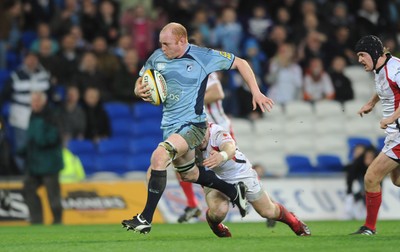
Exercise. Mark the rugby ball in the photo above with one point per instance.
(158, 86)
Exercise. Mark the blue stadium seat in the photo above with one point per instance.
(381, 143)
(79, 147)
(329, 163)
(27, 38)
(139, 162)
(299, 165)
(115, 145)
(117, 110)
(4, 75)
(89, 163)
(60, 91)
(13, 60)
(5, 110)
(122, 127)
(144, 144)
(352, 142)
(117, 163)
(146, 128)
(144, 110)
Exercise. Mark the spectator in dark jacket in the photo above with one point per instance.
(97, 122)
(342, 84)
(122, 86)
(73, 116)
(44, 161)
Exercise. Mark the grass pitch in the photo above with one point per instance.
(247, 237)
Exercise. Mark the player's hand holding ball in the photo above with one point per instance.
(152, 87)
(142, 90)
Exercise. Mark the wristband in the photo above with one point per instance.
(224, 155)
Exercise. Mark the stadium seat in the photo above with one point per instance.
(362, 82)
(4, 75)
(60, 92)
(329, 163)
(277, 114)
(147, 127)
(27, 38)
(273, 161)
(298, 126)
(89, 163)
(79, 147)
(299, 145)
(331, 143)
(5, 110)
(242, 126)
(363, 127)
(380, 143)
(139, 162)
(115, 145)
(299, 109)
(327, 108)
(299, 165)
(143, 144)
(329, 126)
(268, 143)
(352, 107)
(265, 128)
(13, 60)
(117, 163)
(122, 127)
(117, 110)
(143, 110)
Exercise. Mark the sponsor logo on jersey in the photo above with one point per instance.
(226, 55)
(160, 66)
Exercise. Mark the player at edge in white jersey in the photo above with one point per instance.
(371, 54)
(220, 153)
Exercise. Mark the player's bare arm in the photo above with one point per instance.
(369, 105)
(141, 90)
(247, 73)
(227, 151)
(213, 94)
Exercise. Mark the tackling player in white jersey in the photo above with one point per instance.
(220, 153)
(215, 113)
(371, 55)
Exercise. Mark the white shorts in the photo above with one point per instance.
(254, 186)
(392, 145)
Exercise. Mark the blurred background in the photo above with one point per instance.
(86, 54)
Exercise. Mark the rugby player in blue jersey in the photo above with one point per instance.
(185, 68)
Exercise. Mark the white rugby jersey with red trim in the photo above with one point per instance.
(387, 85)
(215, 111)
(235, 168)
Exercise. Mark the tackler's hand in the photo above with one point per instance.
(214, 159)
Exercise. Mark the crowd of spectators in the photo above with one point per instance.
(86, 52)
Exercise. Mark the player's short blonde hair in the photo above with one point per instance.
(178, 30)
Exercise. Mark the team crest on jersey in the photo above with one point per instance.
(160, 66)
(225, 54)
(189, 68)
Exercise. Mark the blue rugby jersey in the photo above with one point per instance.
(186, 79)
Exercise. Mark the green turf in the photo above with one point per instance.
(247, 237)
